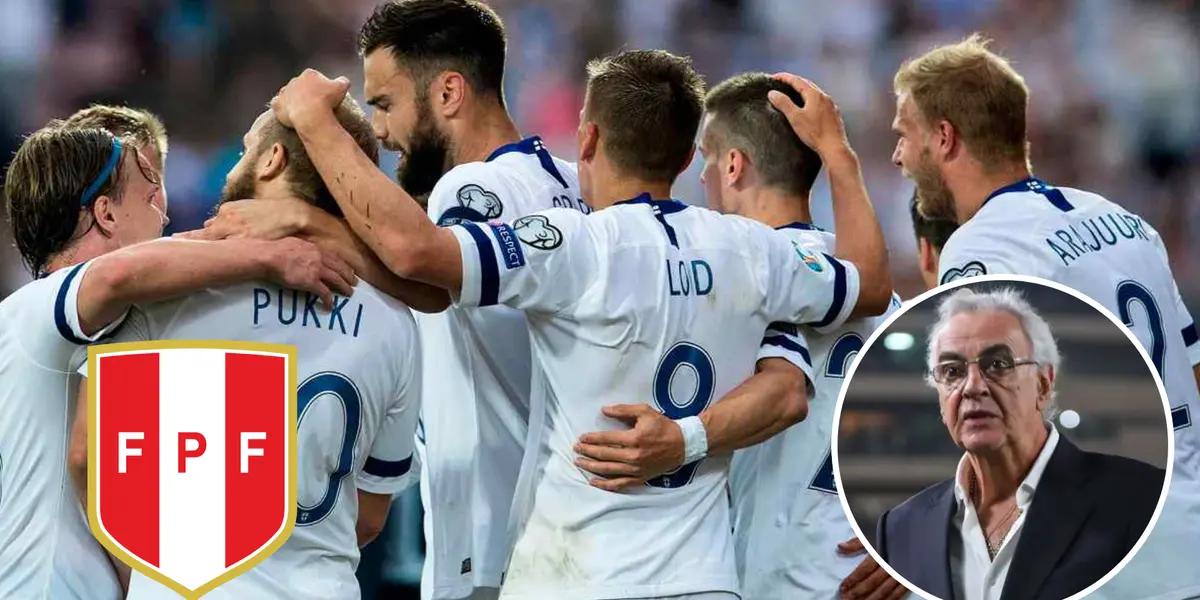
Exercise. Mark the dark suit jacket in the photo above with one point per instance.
(1087, 513)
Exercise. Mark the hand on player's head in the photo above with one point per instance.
(301, 265)
(819, 122)
(309, 93)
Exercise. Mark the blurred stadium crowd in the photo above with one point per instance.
(1114, 93)
(1114, 86)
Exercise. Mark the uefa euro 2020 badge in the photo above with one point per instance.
(811, 260)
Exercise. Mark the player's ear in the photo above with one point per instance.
(103, 213)
(946, 140)
(447, 93)
(735, 170)
(589, 141)
(273, 162)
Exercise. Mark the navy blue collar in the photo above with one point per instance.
(801, 225)
(1031, 184)
(531, 145)
(665, 207)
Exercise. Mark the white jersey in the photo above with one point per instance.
(477, 372)
(787, 519)
(47, 550)
(647, 301)
(359, 368)
(1082, 240)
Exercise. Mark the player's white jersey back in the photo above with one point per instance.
(47, 550)
(1095, 246)
(476, 381)
(647, 301)
(359, 380)
(787, 517)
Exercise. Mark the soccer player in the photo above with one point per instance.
(644, 298)
(359, 371)
(931, 234)
(434, 74)
(79, 201)
(960, 118)
(756, 167)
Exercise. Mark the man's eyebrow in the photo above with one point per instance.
(993, 349)
(950, 356)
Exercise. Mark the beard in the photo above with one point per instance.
(934, 200)
(427, 157)
(241, 187)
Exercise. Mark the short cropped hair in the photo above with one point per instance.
(139, 125)
(977, 91)
(45, 184)
(303, 178)
(742, 118)
(937, 231)
(1007, 299)
(428, 37)
(648, 105)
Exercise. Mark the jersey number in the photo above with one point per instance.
(682, 356)
(341, 388)
(841, 356)
(1129, 292)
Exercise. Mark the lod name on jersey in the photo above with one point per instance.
(192, 444)
(692, 278)
(1094, 234)
(288, 308)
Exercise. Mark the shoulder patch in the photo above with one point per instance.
(810, 259)
(482, 201)
(971, 269)
(537, 231)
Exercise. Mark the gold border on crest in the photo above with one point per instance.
(280, 537)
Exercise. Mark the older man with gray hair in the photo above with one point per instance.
(1028, 514)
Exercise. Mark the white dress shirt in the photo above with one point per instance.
(974, 575)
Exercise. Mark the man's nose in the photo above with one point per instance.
(975, 384)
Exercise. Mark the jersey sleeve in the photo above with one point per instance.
(135, 328)
(390, 465)
(784, 340)
(470, 193)
(45, 316)
(805, 285)
(543, 262)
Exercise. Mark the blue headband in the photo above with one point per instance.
(104, 173)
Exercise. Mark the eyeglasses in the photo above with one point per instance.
(951, 373)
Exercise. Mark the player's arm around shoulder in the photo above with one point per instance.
(773, 399)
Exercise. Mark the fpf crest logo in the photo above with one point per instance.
(192, 457)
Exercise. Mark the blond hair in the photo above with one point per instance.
(141, 126)
(976, 91)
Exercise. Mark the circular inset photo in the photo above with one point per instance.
(1005, 437)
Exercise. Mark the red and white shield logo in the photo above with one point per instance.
(192, 457)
